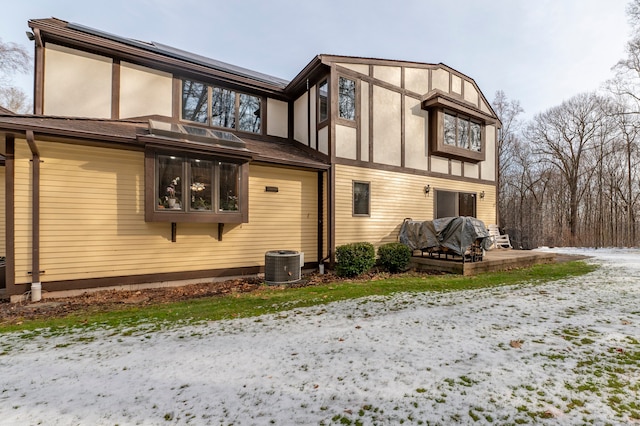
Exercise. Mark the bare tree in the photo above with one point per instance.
(13, 59)
(562, 136)
(508, 112)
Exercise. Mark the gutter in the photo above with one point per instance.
(36, 285)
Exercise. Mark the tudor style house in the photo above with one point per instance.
(143, 163)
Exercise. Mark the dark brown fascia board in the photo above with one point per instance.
(64, 133)
(314, 70)
(73, 38)
(292, 164)
(437, 98)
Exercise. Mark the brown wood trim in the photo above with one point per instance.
(410, 171)
(371, 118)
(38, 76)
(358, 119)
(125, 280)
(9, 208)
(35, 207)
(333, 115)
(176, 104)
(115, 89)
(331, 215)
(403, 135)
(320, 230)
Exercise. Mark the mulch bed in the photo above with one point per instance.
(101, 301)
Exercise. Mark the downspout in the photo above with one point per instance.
(36, 285)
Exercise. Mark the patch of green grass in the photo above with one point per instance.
(270, 300)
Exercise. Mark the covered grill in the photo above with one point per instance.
(461, 236)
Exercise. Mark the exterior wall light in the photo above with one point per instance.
(482, 195)
(427, 189)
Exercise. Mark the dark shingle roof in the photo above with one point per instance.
(183, 55)
(126, 132)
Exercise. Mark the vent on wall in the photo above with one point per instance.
(283, 266)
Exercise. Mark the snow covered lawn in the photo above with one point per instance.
(567, 352)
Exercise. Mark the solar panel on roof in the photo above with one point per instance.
(183, 55)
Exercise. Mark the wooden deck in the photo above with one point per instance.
(494, 260)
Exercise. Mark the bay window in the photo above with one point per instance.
(197, 188)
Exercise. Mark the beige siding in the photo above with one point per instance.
(394, 197)
(391, 75)
(76, 83)
(416, 80)
(456, 84)
(415, 135)
(92, 219)
(361, 68)
(439, 165)
(488, 167)
(144, 91)
(470, 93)
(456, 167)
(323, 140)
(364, 121)
(300, 119)
(386, 126)
(22, 212)
(471, 170)
(346, 142)
(440, 80)
(277, 123)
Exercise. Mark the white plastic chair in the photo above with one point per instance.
(498, 240)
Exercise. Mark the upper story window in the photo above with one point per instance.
(462, 132)
(323, 101)
(220, 107)
(456, 130)
(346, 98)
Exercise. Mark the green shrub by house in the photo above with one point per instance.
(354, 259)
(394, 257)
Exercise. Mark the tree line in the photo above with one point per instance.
(569, 176)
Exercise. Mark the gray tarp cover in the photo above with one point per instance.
(456, 234)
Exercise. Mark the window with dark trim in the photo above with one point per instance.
(361, 198)
(323, 101)
(451, 204)
(462, 132)
(346, 98)
(220, 107)
(197, 188)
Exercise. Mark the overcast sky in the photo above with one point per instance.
(538, 52)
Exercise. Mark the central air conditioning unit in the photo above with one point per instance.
(283, 266)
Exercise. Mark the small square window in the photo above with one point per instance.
(361, 198)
